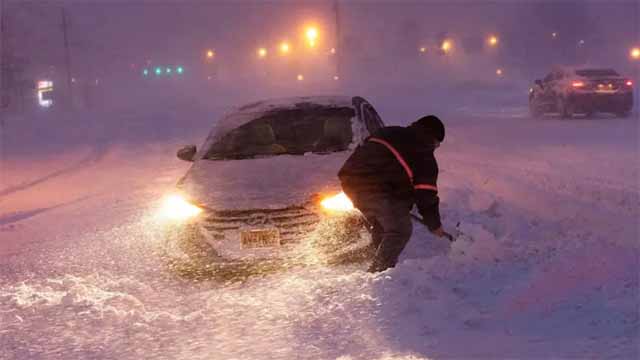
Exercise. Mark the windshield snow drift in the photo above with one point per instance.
(304, 129)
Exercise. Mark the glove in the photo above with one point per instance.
(439, 232)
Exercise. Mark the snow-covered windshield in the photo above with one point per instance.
(596, 72)
(312, 128)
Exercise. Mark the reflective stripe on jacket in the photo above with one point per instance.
(398, 162)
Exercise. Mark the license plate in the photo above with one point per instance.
(260, 238)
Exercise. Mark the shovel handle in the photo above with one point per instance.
(421, 221)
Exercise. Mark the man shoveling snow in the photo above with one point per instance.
(394, 169)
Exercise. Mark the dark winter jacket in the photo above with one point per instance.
(397, 162)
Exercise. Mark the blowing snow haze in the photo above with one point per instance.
(109, 247)
(378, 42)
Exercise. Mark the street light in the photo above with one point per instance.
(262, 52)
(179, 69)
(492, 40)
(158, 71)
(423, 49)
(635, 53)
(499, 72)
(312, 35)
(300, 77)
(210, 54)
(446, 46)
(284, 48)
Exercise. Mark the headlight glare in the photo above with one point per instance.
(339, 202)
(177, 208)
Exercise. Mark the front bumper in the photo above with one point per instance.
(621, 102)
(291, 223)
(302, 230)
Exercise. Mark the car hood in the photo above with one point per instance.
(266, 183)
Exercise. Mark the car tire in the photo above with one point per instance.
(333, 236)
(534, 110)
(565, 109)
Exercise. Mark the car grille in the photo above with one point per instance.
(292, 222)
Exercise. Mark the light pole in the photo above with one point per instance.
(4, 104)
(67, 59)
(338, 49)
(3, 60)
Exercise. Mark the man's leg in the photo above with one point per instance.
(391, 230)
(376, 233)
(396, 235)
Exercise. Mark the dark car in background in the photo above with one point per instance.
(569, 91)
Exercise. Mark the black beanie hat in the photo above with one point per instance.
(433, 125)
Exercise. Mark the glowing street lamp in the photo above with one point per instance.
(210, 54)
(332, 51)
(554, 35)
(312, 36)
(300, 77)
(492, 40)
(423, 49)
(635, 53)
(499, 72)
(168, 70)
(179, 69)
(158, 71)
(262, 52)
(446, 46)
(145, 72)
(284, 48)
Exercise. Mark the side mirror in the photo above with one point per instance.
(187, 153)
(539, 82)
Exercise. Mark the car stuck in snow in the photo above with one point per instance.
(568, 91)
(263, 185)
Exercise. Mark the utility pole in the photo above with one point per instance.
(3, 60)
(336, 8)
(3, 92)
(67, 59)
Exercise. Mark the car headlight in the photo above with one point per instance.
(177, 208)
(338, 202)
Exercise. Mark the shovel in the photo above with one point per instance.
(450, 237)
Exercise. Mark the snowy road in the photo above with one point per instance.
(552, 207)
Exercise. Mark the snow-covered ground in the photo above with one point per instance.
(547, 266)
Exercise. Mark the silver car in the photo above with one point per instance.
(263, 190)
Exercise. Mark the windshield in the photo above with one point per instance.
(596, 72)
(296, 131)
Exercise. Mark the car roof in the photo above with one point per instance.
(292, 102)
(572, 69)
(248, 112)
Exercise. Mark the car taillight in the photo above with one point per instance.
(577, 84)
(629, 83)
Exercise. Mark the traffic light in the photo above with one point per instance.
(166, 70)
